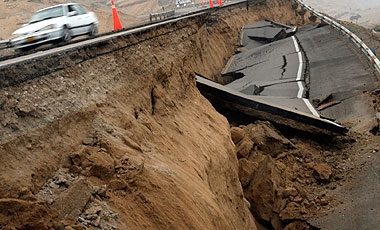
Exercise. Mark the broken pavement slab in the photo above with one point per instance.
(259, 33)
(335, 68)
(266, 33)
(272, 52)
(276, 69)
(328, 104)
(73, 201)
(260, 108)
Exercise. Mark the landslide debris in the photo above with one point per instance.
(285, 174)
(125, 117)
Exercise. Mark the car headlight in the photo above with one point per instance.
(14, 36)
(49, 27)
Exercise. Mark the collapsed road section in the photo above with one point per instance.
(268, 80)
(115, 134)
(338, 76)
(118, 125)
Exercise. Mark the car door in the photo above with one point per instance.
(74, 20)
(82, 19)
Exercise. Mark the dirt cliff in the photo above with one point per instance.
(117, 135)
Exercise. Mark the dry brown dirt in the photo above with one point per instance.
(117, 135)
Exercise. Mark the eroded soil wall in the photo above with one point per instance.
(127, 114)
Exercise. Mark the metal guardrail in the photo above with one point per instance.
(370, 55)
(206, 3)
(188, 6)
(4, 44)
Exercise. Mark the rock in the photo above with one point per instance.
(322, 172)
(102, 165)
(247, 202)
(289, 191)
(277, 223)
(247, 171)
(61, 180)
(298, 199)
(94, 190)
(244, 147)
(78, 157)
(73, 200)
(339, 176)
(75, 169)
(95, 210)
(97, 222)
(323, 202)
(297, 225)
(237, 134)
(88, 141)
(91, 217)
(303, 210)
(291, 212)
(267, 138)
(25, 110)
(262, 191)
(117, 184)
(102, 192)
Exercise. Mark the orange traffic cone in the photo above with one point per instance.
(219, 2)
(211, 4)
(116, 21)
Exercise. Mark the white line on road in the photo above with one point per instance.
(299, 73)
(311, 107)
(299, 81)
(296, 44)
(301, 89)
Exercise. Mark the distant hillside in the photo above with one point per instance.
(14, 13)
(348, 10)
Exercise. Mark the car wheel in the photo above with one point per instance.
(66, 37)
(23, 50)
(93, 30)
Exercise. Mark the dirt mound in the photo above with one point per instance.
(21, 214)
(283, 180)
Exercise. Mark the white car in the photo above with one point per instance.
(54, 25)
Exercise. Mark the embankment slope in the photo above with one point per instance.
(126, 114)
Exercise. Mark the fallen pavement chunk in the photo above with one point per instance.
(258, 107)
(329, 104)
(325, 99)
(72, 202)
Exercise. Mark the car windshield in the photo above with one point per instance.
(47, 14)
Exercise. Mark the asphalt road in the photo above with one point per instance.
(360, 207)
(275, 70)
(180, 15)
(336, 67)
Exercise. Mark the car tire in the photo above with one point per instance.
(93, 30)
(66, 35)
(23, 50)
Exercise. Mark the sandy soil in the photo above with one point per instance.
(345, 9)
(117, 135)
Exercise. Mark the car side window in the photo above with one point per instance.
(79, 9)
(71, 8)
